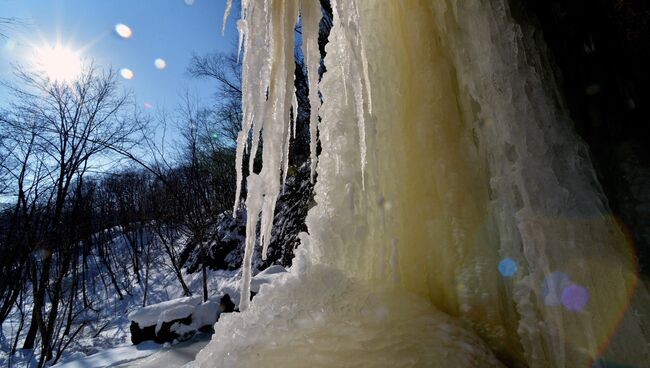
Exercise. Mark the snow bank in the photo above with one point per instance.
(164, 312)
(266, 277)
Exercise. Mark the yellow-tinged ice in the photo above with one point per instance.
(469, 159)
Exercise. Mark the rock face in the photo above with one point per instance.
(226, 242)
(602, 50)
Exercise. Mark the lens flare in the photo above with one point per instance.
(507, 267)
(160, 64)
(10, 45)
(123, 30)
(126, 73)
(147, 105)
(575, 297)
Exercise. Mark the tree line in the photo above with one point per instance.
(77, 169)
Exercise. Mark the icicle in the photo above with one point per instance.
(366, 77)
(285, 168)
(255, 144)
(533, 207)
(268, 76)
(361, 124)
(247, 117)
(280, 99)
(364, 61)
(267, 80)
(253, 205)
(311, 16)
(241, 29)
(226, 13)
(350, 43)
(242, 139)
(294, 107)
(238, 167)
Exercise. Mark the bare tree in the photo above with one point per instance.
(6, 24)
(226, 71)
(61, 130)
(200, 201)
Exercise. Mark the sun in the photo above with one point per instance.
(59, 63)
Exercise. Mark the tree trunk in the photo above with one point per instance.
(204, 270)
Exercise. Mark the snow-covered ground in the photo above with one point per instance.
(112, 357)
(144, 355)
(149, 354)
(107, 326)
(177, 355)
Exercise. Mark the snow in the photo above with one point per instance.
(177, 355)
(204, 314)
(165, 311)
(144, 355)
(107, 326)
(271, 270)
(114, 357)
(175, 312)
(266, 277)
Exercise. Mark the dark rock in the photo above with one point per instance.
(225, 245)
(226, 305)
(139, 335)
(208, 329)
(165, 334)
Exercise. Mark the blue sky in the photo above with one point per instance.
(168, 29)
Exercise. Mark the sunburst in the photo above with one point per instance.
(58, 63)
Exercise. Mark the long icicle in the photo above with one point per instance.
(268, 84)
(226, 13)
(310, 16)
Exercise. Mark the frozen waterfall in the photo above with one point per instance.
(459, 221)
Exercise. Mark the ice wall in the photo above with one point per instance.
(457, 203)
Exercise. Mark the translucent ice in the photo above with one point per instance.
(464, 158)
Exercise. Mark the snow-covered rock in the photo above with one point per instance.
(163, 312)
(166, 321)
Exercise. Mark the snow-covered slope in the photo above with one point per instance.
(106, 325)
